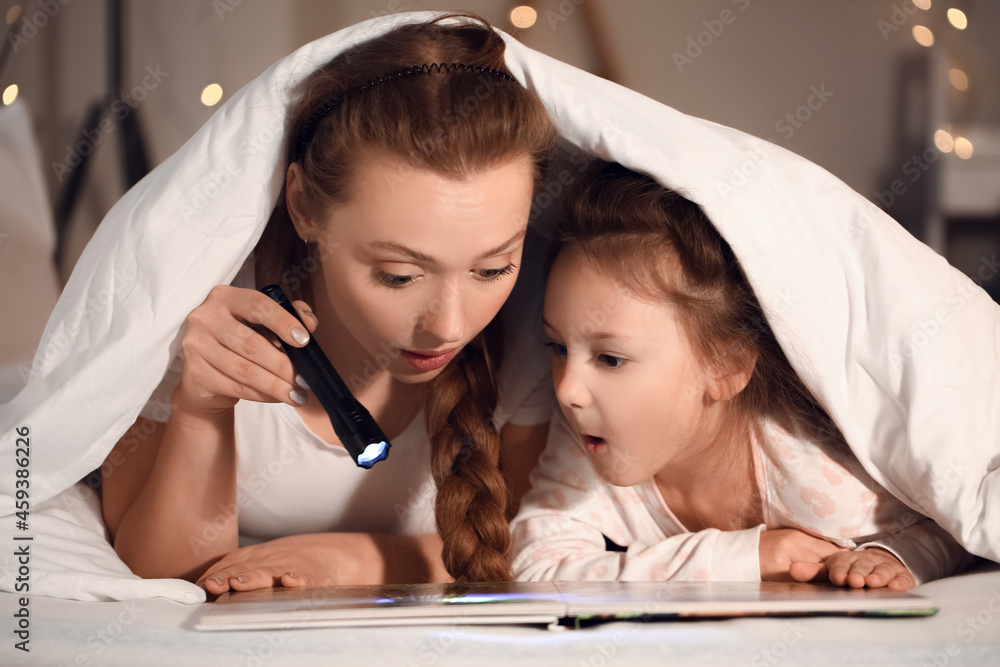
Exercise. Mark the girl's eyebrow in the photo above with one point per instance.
(595, 335)
(403, 251)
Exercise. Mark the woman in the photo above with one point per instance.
(411, 163)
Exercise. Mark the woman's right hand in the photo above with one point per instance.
(780, 549)
(226, 359)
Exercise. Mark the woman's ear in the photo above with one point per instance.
(733, 375)
(295, 201)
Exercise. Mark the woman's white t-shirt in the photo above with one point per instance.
(290, 481)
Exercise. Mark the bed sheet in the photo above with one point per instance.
(966, 631)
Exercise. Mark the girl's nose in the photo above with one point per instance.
(571, 390)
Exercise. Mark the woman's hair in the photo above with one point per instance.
(461, 117)
(663, 249)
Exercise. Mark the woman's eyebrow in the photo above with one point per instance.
(505, 245)
(403, 251)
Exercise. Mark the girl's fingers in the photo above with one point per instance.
(802, 570)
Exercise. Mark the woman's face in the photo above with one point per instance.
(415, 264)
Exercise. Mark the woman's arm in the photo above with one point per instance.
(170, 490)
(325, 559)
(170, 504)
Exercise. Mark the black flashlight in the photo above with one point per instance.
(353, 424)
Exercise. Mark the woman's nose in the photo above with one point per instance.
(444, 317)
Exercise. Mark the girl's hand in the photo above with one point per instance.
(874, 568)
(226, 359)
(785, 551)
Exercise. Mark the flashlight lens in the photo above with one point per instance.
(373, 453)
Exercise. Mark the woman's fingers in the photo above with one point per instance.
(228, 355)
(257, 308)
(247, 577)
(307, 315)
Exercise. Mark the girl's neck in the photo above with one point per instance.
(714, 485)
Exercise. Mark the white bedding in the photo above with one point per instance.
(902, 349)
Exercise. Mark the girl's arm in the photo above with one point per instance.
(571, 525)
(926, 549)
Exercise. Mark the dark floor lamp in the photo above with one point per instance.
(134, 158)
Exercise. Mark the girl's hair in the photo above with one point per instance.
(454, 121)
(662, 248)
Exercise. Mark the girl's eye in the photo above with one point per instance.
(611, 361)
(558, 349)
(392, 280)
(490, 275)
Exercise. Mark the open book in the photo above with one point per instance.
(551, 603)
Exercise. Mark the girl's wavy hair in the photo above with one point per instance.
(454, 121)
(663, 249)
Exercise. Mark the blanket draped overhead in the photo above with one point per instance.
(902, 349)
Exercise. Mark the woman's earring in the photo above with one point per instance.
(306, 240)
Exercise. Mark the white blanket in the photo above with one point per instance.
(902, 349)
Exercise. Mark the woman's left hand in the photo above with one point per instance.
(328, 559)
(322, 559)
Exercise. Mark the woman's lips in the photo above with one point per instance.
(428, 361)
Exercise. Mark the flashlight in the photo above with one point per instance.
(352, 422)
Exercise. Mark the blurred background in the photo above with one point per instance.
(898, 98)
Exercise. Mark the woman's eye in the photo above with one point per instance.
(489, 275)
(393, 280)
(558, 349)
(611, 361)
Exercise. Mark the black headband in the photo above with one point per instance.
(314, 120)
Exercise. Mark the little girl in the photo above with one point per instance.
(688, 448)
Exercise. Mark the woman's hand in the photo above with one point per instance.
(872, 568)
(226, 359)
(787, 552)
(328, 559)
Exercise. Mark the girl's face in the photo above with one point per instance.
(626, 375)
(416, 264)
